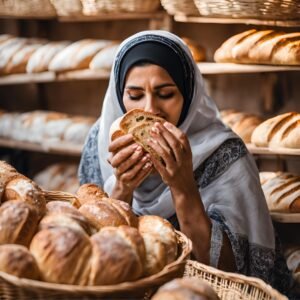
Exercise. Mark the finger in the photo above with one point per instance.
(157, 135)
(172, 141)
(165, 154)
(130, 162)
(123, 154)
(133, 172)
(120, 142)
(145, 172)
(181, 136)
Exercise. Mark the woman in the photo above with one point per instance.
(207, 184)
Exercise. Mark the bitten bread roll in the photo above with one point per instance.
(18, 261)
(26, 190)
(198, 52)
(280, 131)
(190, 288)
(118, 256)
(18, 222)
(101, 214)
(162, 228)
(282, 191)
(63, 255)
(156, 253)
(90, 192)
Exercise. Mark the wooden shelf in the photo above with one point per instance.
(285, 217)
(269, 151)
(280, 23)
(206, 68)
(210, 68)
(114, 17)
(47, 147)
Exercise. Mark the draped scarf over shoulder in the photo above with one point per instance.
(206, 133)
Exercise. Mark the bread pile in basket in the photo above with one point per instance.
(101, 243)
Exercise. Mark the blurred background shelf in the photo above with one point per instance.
(268, 151)
(285, 217)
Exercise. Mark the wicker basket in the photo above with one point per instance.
(231, 286)
(180, 7)
(95, 7)
(28, 8)
(12, 288)
(68, 8)
(269, 9)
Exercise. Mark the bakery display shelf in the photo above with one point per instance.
(113, 17)
(27, 78)
(86, 74)
(210, 68)
(269, 151)
(63, 148)
(285, 217)
(281, 23)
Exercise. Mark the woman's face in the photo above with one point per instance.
(151, 88)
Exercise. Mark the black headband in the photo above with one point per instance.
(164, 53)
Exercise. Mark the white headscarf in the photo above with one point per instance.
(206, 133)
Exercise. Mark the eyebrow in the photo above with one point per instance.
(132, 87)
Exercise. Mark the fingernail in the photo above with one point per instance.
(147, 165)
(168, 125)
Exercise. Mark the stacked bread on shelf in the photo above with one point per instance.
(282, 191)
(241, 123)
(261, 47)
(101, 243)
(41, 126)
(282, 131)
(58, 177)
(21, 55)
(292, 255)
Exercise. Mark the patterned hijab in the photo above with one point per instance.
(206, 133)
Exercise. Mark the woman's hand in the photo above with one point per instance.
(132, 165)
(172, 145)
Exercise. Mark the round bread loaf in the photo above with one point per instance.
(186, 289)
(61, 213)
(164, 230)
(118, 256)
(24, 189)
(18, 261)
(90, 192)
(156, 254)
(101, 214)
(198, 52)
(63, 255)
(18, 222)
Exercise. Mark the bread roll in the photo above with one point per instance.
(104, 59)
(101, 214)
(63, 255)
(280, 131)
(198, 52)
(117, 256)
(40, 59)
(61, 213)
(224, 52)
(26, 190)
(156, 253)
(162, 228)
(77, 56)
(90, 192)
(18, 222)
(189, 288)
(125, 210)
(287, 52)
(241, 123)
(282, 191)
(18, 261)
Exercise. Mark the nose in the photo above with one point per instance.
(151, 104)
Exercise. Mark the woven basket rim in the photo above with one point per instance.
(125, 286)
(239, 278)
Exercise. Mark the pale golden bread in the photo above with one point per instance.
(18, 222)
(282, 191)
(188, 288)
(18, 261)
(279, 131)
(162, 229)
